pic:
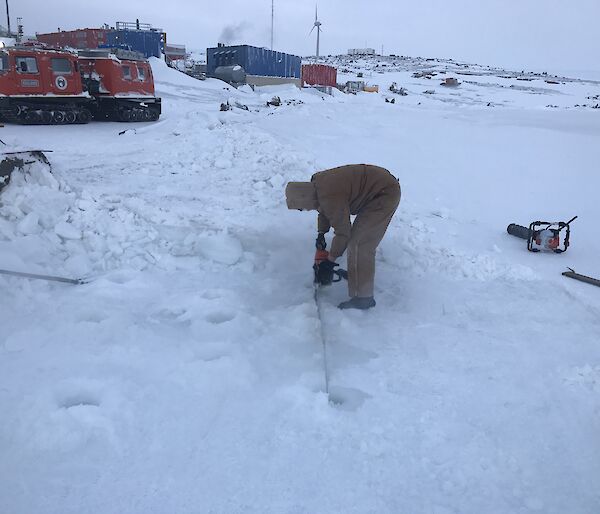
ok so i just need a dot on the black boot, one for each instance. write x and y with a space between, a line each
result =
358 302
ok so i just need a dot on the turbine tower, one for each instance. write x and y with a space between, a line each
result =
317 25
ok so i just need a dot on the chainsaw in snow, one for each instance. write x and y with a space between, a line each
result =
321 255
544 236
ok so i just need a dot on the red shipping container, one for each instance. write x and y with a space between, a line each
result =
82 38
319 75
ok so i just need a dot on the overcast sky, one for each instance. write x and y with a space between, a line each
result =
533 34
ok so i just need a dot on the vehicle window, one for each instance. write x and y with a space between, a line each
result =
3 62
141 74
27 65
126 72
61 65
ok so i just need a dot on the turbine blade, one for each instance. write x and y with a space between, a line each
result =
311 30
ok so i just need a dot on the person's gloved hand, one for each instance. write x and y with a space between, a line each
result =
325 272
320 243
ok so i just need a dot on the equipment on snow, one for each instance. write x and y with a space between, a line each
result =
398 90
323 267
543 235
583 278
324 272
450 82
76 281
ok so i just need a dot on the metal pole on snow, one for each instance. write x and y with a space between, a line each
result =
77 281
583 278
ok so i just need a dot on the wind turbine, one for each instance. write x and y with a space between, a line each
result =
317 24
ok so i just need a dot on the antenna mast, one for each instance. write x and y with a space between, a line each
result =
8 18
272 20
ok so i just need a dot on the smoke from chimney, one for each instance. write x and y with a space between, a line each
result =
233 33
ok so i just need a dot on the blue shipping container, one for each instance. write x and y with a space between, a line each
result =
148 42
254 60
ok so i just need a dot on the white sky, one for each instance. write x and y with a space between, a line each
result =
552 35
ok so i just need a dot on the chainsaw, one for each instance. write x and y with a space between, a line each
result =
544 236
321 255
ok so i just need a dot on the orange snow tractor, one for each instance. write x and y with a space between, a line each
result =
544 235
44 86
41 86
121 84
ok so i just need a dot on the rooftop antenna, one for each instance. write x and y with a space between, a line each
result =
8 18
317 24
272 20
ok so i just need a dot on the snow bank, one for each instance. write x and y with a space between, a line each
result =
164 74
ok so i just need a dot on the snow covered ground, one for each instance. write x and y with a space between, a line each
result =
187 374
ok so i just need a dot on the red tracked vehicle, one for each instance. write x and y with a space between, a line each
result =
121 83
42 86
48 86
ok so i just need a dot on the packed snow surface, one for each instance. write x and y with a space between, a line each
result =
186 375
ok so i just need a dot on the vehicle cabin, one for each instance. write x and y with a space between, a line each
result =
36 72
117 74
